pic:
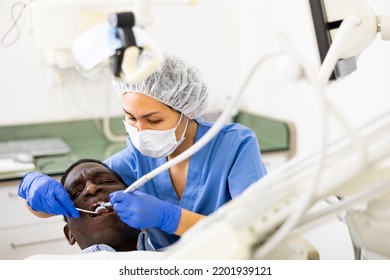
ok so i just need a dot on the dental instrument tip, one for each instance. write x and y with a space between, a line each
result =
85 211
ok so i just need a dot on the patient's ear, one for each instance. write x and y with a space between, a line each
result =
69 235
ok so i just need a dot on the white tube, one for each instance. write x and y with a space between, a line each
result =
306 197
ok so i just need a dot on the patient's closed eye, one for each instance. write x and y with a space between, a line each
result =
105 182
75 192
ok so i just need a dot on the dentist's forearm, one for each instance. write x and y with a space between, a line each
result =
37 213
187 220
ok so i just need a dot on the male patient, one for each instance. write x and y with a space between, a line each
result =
90 182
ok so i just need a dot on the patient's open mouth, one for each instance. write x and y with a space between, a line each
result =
100 210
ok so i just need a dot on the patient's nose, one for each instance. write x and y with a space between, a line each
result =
91 188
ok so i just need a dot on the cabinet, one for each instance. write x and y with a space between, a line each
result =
22 234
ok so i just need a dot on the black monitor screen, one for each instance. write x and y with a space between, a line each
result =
322 30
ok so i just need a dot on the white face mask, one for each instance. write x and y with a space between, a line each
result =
155 143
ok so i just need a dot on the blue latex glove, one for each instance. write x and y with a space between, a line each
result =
44 194
140 210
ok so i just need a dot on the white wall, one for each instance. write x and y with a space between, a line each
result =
224 38
32 92
204 34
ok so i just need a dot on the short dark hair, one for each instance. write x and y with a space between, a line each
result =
80 161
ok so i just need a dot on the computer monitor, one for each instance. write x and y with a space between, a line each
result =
322 28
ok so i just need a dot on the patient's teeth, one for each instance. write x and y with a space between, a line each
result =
101 211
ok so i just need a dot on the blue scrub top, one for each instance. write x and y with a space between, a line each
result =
218 172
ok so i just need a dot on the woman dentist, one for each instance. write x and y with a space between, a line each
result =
163 119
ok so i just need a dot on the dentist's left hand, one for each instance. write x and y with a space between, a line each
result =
140 210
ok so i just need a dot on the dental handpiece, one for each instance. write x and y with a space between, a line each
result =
132 188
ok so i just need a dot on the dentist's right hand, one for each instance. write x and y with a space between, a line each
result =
140 210
44 194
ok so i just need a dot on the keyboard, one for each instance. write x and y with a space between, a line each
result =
36 147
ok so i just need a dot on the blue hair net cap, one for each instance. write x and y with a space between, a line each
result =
176 83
